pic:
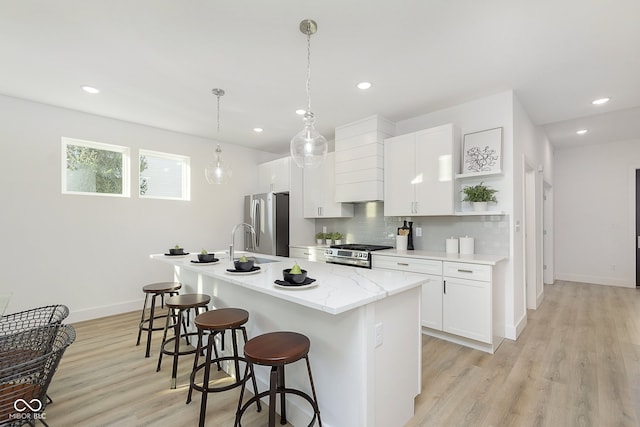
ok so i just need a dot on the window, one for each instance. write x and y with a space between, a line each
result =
164 175
94 168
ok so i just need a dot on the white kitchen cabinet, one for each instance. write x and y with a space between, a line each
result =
319 192
275 176
419 170
461 302
310 253
431 307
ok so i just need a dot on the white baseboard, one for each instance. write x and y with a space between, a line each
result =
103 311
512 332
596 280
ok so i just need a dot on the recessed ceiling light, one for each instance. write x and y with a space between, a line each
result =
90 89
364 85
258 130
300 112
581 131
600 101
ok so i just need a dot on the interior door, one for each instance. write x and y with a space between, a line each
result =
637 227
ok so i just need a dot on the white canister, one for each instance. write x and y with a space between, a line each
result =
401 242
452 246
466 245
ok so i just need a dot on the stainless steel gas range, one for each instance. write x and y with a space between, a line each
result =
354 254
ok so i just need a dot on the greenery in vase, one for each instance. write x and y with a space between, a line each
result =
320 236
337 236
479 193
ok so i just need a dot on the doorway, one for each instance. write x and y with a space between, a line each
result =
530 244
637 227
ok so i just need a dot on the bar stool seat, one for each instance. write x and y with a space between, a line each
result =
217 322
146 324
179 307
277 349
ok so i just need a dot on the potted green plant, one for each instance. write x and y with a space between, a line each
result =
328 238
176 250
479 195
320 238
337 237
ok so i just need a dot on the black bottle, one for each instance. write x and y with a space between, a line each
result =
410 240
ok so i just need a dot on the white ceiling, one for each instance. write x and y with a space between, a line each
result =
156 61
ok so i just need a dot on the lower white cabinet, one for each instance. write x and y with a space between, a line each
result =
311 253
459 302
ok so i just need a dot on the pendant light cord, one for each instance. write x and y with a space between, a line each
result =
218 128
309 70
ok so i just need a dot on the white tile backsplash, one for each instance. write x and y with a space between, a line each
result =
369 225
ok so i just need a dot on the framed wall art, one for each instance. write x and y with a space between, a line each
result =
482 152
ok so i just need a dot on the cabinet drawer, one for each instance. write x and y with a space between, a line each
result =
464 270
414 265
299 253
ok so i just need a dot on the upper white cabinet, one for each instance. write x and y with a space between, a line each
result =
319 192
419 171
359 159
275 176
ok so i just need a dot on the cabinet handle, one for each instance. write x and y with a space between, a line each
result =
403 264
465 271
306 253
444 284
415 207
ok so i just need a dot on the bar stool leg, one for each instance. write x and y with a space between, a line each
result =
153 314
313 391
174 369
253 377
171 314
144 308
195 365
283 405
273 384
205 383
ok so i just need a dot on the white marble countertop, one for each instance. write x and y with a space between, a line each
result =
442 256
339 288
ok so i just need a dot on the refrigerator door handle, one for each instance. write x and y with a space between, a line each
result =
256 223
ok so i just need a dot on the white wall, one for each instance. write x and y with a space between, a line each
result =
88 252
595 213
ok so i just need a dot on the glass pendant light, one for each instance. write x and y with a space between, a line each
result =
308 148
216 172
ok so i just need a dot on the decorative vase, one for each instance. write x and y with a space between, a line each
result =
479 206
337 242
328 241
319 241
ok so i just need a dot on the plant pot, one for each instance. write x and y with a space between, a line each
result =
479 206
319 241
328 242
337 242
176 251
206 257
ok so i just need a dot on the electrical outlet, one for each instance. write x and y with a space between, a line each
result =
418 231
379 334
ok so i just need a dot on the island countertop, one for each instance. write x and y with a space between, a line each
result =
339 288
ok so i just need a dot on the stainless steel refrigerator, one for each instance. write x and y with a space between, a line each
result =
268 213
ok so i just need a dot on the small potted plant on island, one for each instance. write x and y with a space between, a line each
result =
177 250
337 238
205 256
319 238
479 195
328 238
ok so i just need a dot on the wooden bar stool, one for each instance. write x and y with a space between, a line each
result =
179 307
217 322
277 349
146 324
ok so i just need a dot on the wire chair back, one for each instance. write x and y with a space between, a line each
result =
33 318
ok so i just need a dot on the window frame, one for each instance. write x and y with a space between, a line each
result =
126 166
186 173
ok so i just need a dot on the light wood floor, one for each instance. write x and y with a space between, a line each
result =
577 363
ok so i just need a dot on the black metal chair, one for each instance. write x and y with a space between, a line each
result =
28 362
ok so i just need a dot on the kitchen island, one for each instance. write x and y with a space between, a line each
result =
364 327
